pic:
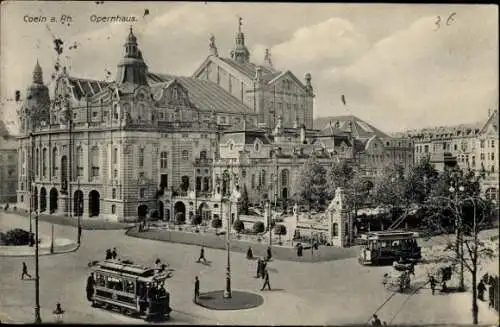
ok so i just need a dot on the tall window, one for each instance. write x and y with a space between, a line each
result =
163 181
37 164
263 177
185 155
203 155
115 156
253 181
481 144
141 157
113 193
206 184
284 177
163 160
94 161
44 162
79 161
54 162
142 192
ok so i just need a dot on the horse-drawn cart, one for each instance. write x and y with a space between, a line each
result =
398 279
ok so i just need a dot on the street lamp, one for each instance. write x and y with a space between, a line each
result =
458 226
38 318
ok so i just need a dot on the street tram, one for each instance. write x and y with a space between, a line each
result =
131 289
385 247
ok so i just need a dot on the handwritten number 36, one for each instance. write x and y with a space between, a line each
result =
449 20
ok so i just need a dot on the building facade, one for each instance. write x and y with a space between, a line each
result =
8 163
176 145
468 146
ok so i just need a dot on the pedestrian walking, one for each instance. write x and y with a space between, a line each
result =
491 295
58 312
300 248
432 281
376 321
108 254
114 254
90 287
259 267
196 289
412 268
202 255
25 271
269 254
480 290
249 253
263 268
266 280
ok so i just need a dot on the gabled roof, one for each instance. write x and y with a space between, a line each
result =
205 95
358 127
493 119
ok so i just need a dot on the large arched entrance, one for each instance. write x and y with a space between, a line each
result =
53 200
43 199
204 211
94 203
179 208
78 203
142 211
161 208
35 199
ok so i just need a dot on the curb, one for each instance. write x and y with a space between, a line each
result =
241 246
56 252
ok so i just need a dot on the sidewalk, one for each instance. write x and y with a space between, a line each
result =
86 223
61 245
325 253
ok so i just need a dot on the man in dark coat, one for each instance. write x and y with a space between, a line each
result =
432 281
299 250
480 290
263 268
108 254
114 254
491 293
266 280
259 267
90 287
196 289
25 271
202 255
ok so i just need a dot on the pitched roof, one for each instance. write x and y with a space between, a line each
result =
85 86
248 68
205 95
359 128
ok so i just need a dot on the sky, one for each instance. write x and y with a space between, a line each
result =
399 66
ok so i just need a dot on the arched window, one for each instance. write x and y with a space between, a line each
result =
54 162
141 157
115 156
203 155
185 155
335 230
163 159
44 162
284 177
94 161
79 161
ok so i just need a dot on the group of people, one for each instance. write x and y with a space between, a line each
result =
492 282
111 254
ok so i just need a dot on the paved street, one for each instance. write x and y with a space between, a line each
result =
336 292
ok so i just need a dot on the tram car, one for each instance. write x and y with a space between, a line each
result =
131 289
385 247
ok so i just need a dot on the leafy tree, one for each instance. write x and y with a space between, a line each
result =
420 181
390 188
238 226
258 227
216 223
280 230
312 185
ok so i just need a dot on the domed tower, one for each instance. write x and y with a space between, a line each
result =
132 68
240 52
35 108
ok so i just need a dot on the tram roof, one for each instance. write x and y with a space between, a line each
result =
389 235
131 269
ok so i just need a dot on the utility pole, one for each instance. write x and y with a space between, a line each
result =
38 318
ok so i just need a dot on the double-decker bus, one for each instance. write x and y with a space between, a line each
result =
131 289
385 247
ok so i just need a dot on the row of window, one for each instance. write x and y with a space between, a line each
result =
491 143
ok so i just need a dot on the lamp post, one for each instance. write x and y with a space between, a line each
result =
458 226
227 291
38 318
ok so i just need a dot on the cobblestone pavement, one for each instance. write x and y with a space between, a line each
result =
336 292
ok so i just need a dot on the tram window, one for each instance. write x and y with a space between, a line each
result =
100 281
129 286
